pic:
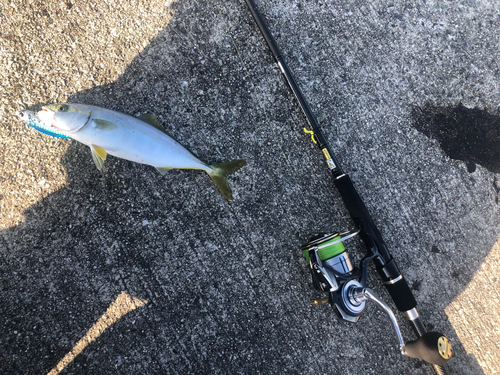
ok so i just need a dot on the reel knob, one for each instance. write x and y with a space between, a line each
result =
432 347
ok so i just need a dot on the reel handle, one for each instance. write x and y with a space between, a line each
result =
432 347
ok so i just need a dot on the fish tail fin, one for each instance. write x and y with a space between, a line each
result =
219 172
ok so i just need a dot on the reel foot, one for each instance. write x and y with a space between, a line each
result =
321 301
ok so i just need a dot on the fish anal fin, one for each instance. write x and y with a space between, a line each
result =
98 155
163 170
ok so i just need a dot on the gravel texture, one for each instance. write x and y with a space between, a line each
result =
223 286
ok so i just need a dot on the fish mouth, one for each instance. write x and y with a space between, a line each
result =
26 115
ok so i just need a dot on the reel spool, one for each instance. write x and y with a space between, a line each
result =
332 252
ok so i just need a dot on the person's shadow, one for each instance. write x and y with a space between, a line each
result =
212 272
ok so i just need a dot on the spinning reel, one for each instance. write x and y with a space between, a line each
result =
333 272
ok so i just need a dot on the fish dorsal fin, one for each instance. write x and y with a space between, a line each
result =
98 155
105 125
163 170
152 120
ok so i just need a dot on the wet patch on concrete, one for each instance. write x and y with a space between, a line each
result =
470 135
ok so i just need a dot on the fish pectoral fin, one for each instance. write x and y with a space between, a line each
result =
104 125
152 120
163 170
98 155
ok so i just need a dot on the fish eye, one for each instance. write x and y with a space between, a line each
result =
62 108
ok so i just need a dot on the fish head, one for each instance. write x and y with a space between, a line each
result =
68 118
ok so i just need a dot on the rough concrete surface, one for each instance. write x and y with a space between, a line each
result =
222 286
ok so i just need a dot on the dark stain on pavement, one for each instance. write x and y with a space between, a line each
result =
470 135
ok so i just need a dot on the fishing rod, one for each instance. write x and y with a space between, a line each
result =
331 268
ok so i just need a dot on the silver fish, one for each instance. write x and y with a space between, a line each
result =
141 140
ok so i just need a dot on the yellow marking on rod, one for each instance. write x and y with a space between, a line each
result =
326 153
312 134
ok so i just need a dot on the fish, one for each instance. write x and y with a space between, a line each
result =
138 139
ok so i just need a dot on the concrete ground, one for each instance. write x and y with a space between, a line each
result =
127 271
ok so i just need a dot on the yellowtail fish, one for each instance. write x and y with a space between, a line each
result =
138 139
